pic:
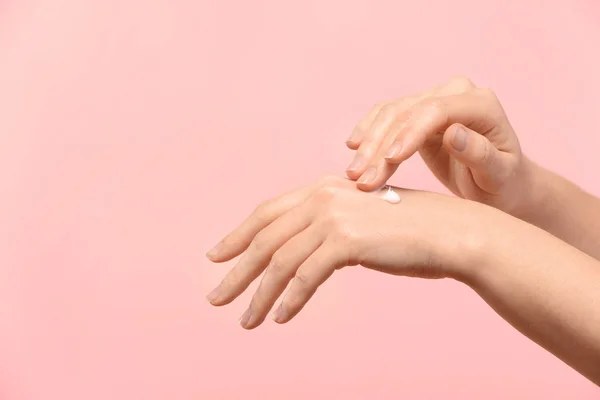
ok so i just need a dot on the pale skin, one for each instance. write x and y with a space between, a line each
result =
538 268
466 139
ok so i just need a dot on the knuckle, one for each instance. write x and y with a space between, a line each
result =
484 157
461 83
436 107
277 264
488 95
342 234
436 103
337 226
262 212
260 243
302 279
388 111
376 109
326 194
333 218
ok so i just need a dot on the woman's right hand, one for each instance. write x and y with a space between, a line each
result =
462 134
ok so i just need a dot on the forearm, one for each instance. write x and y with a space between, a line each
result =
560 207
545 288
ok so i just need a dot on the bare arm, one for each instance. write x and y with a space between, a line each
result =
546 289
563 209
466 139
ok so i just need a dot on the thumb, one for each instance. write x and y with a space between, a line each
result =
490 167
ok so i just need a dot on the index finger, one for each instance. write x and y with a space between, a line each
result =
457 84
478 109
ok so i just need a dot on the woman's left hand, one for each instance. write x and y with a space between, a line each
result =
307 234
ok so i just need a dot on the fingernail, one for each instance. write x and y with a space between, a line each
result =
368 176
357 163
246 317
214 251
278 314
459 141
394 150
214 295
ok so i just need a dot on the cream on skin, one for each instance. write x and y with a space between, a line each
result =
388 194
547 289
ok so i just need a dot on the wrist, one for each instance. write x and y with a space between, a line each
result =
471 244
491 238
535 192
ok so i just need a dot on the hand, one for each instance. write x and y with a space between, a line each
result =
462 134
307 234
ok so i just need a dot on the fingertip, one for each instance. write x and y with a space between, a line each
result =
379 177
220 302
218 258
225 251
394 153
248 320
352 145
214 252
218 298
353 174
367 187
279 316
212 257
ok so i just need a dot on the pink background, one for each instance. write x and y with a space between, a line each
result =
134 134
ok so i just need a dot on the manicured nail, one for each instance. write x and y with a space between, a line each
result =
214 251
278 314
214 295
246 317
394 150
357 163
368 176
459 141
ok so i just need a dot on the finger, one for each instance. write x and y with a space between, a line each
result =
260 251
455 85
489 166
379 171
371 142
361 129
437 160
317 268
281 270
383 170
239 239
478 109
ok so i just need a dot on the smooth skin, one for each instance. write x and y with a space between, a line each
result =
548 290
525 239
465 138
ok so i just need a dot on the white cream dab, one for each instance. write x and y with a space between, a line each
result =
390 195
